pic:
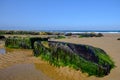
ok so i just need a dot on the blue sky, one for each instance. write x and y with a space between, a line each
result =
60 14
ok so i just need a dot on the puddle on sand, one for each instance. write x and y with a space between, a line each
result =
22 72
2 51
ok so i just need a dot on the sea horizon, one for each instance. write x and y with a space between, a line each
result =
79 31
71 31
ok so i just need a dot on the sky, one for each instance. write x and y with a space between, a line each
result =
59 14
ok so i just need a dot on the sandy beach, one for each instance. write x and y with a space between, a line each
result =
59 39
16 61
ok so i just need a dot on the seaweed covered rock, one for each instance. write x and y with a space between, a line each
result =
86 58
118 39
18 42
25 43
2 37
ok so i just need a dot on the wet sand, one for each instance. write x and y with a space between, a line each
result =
110 44
22 72
18 64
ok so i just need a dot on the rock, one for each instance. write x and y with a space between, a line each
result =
81 57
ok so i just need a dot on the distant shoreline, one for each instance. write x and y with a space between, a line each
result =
71 31
79 31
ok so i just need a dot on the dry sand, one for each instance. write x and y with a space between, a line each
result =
110 44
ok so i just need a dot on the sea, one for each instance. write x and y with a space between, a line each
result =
80 31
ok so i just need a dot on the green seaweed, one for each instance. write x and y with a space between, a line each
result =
25 43
103 57
18 43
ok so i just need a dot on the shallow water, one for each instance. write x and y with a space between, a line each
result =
22 72
2 51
